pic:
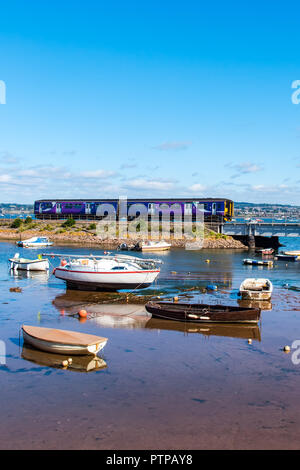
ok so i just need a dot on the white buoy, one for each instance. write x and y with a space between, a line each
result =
249 341
286 349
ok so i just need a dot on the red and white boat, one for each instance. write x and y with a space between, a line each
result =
110 272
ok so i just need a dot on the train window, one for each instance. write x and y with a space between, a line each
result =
68 206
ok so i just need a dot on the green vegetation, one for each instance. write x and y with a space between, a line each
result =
70 222
92 227
17 223
28 220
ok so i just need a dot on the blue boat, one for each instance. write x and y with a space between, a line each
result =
283 257
34 242
257 262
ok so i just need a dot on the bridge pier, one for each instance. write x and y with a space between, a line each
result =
258 241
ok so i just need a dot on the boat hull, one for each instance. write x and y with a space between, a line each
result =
154 248
60 348
194 313
36 265
110 280
253 295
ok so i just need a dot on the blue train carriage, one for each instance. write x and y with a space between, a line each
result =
214 209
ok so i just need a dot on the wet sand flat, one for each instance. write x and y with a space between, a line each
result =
163 386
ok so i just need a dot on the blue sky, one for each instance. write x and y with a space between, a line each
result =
124 98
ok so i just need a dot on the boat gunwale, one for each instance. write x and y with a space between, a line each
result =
100 339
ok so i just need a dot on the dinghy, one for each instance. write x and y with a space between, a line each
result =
38 264
256 289
155 246
256 262
62 341
202 313
285 257
37 242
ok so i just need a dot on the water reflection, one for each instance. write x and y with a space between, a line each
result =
226 330
79 363
129 316
39 276
262 304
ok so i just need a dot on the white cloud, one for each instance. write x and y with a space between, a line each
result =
166 146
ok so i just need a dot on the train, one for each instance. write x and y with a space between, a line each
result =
214 209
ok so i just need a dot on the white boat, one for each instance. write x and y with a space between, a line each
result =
150 245
106 272
39 264
292 253
62 341
256 289
35 242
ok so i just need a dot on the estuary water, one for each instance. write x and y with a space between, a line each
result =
157 384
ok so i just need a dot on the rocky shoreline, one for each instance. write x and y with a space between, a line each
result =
90 238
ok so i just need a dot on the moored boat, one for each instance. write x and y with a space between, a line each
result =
256 262
150 245
265 251
34 242
202 313
256 289
107 272
24 264
292 253
62 341
285 257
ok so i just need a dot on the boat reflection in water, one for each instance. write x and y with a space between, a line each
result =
262 304
39 276
111 315
78 364
226 330
129 316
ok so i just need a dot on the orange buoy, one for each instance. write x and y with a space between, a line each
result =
62 312
63 262
82 313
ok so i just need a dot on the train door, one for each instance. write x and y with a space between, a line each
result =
151 208
58 207
188 208
214 208
88 207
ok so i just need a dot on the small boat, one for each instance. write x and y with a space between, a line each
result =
24 264
256 262
34 242
155 246
292 253
284 257
106 272
202 313
62 341
256 289
265 251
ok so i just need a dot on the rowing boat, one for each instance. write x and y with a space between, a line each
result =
62 341
202 313
256 289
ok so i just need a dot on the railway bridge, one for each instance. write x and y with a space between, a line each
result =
264 234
